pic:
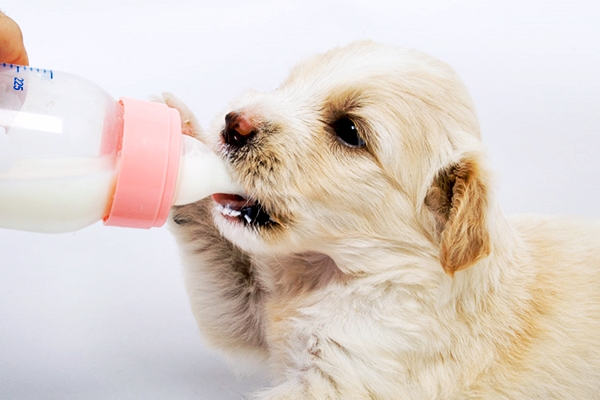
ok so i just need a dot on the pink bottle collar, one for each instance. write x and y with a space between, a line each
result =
149 163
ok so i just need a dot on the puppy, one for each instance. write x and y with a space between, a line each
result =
367 257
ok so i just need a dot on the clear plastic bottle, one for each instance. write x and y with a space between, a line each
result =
70 155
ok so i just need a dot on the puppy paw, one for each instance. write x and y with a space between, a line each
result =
311 386
189 123
282 393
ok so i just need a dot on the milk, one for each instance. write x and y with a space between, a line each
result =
72 193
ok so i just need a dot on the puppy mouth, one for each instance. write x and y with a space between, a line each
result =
238 209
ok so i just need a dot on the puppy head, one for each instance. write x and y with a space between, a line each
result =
363 148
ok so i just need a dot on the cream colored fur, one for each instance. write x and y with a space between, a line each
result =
389 271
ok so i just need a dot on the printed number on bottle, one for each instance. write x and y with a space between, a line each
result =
18 83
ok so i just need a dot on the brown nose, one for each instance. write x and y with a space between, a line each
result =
238 129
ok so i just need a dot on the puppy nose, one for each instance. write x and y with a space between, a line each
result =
238 129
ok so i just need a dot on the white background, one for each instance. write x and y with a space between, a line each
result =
101 313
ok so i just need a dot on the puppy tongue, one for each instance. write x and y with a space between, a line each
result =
231 201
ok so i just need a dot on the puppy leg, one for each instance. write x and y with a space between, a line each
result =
342 376
225 296
310 386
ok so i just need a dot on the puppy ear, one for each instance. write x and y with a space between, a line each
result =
458 200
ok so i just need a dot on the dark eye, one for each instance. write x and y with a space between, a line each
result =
345 129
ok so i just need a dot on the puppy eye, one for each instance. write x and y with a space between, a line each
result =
346 130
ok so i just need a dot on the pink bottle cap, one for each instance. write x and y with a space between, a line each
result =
149 163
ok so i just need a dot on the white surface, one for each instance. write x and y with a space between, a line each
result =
102 314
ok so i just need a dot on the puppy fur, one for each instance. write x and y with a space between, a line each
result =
386 270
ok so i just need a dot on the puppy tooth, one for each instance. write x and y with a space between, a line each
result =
227 211
233 213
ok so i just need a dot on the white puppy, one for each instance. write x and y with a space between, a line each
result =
368 259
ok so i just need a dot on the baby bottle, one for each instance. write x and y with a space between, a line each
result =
70 155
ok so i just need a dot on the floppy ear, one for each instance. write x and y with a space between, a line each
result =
458 200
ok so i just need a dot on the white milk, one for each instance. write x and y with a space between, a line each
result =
56 194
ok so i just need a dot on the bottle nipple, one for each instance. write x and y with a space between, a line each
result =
201 173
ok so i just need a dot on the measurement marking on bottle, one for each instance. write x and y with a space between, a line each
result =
48 72
18 83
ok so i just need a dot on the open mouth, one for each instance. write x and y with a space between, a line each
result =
240 209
